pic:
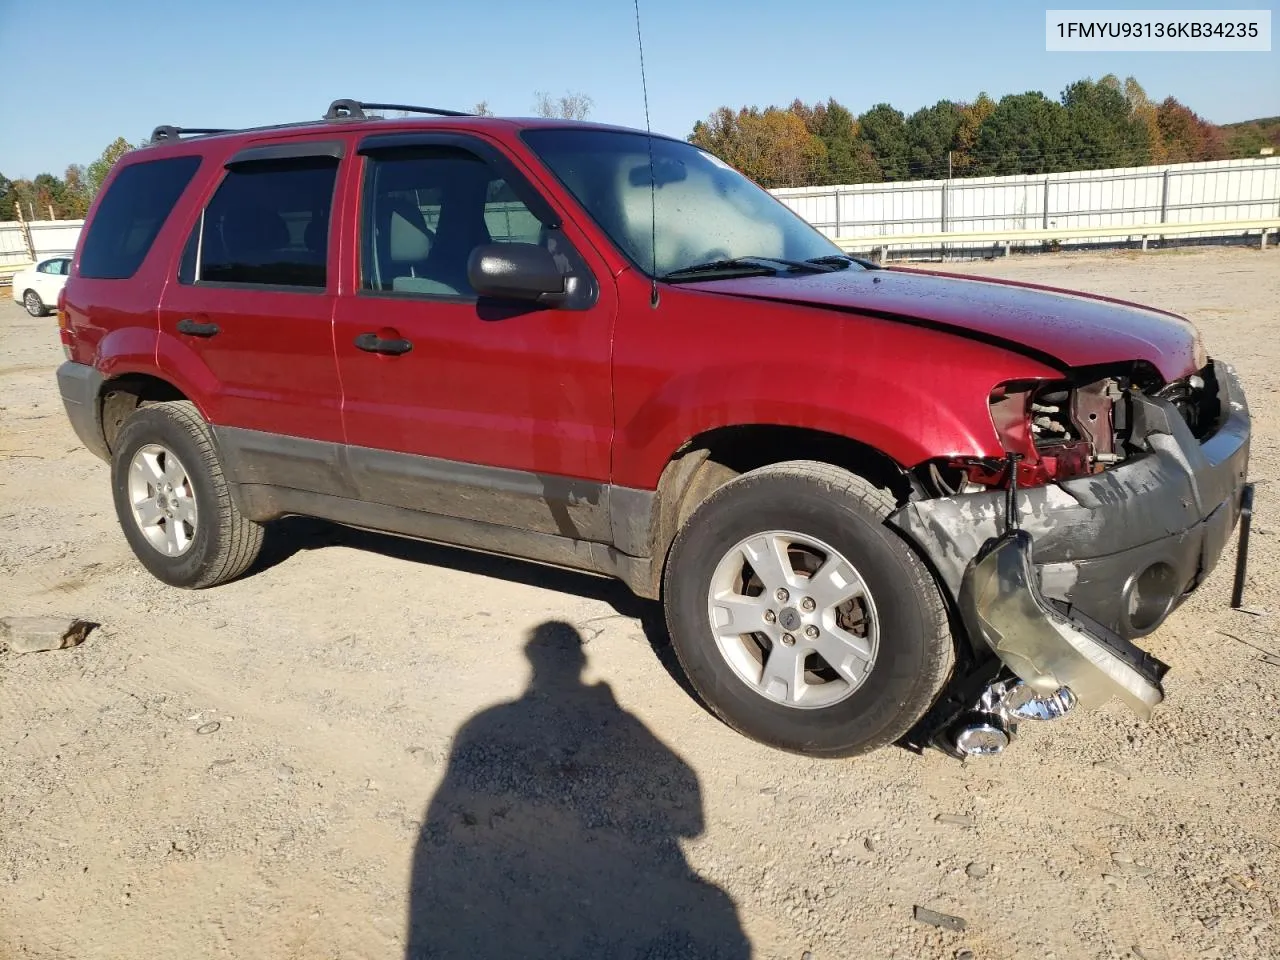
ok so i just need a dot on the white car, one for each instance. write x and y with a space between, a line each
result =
37 287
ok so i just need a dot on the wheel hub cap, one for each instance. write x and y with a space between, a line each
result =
162 500
794 619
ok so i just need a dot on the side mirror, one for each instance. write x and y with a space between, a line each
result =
515 271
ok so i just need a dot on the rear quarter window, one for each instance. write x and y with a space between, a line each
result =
135 207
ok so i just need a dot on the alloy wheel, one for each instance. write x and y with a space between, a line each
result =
162 499
794 619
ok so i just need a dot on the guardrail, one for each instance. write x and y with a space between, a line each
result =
1005 239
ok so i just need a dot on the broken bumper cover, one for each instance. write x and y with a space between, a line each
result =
1046 648
1100 560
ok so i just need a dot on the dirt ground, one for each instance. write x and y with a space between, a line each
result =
258 770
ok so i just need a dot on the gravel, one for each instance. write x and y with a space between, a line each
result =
441 719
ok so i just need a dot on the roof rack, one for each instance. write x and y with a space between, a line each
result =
161 134
355 110
338 110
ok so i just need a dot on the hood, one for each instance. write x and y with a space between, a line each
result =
1068 328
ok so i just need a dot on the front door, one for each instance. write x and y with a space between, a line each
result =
452 403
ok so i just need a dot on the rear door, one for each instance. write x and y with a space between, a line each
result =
496 411
250 316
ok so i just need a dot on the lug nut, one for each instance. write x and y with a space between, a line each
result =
782 595
788 640
770 616
811 632
807 604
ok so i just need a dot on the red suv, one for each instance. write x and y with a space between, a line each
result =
876 504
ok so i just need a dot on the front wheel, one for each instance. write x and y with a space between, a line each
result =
173 502
33 304
802 620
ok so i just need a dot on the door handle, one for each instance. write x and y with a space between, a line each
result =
372 343
195 328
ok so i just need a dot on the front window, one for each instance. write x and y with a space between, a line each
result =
425 210
705 210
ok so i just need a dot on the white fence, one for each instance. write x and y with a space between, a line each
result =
1223 190
47 238
1188 193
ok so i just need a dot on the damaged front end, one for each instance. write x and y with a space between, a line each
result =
1116 500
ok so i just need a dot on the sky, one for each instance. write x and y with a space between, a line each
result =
104 73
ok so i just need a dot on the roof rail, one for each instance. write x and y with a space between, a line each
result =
355 110
161 134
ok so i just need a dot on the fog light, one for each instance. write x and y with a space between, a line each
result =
981 737
1023 703
1149 596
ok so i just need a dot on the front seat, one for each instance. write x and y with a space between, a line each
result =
462 228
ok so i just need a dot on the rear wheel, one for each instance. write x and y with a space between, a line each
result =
800 617
33 304
173 502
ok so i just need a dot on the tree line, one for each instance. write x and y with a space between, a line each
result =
60 198
1093 125
68 197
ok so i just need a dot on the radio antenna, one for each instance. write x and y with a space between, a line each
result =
653 179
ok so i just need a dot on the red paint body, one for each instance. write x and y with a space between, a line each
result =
609 394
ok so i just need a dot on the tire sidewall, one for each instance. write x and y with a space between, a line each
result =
155 425
898 689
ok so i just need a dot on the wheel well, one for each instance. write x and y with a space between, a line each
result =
711 459
744 448
121 396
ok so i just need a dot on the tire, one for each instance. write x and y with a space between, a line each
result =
33 304
905 650
204 540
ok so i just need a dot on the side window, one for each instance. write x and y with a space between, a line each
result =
130 215
507 218
62 267
46 267
426 210
267 224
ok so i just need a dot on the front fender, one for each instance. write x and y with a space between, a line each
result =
936 407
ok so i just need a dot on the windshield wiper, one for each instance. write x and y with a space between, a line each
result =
842 260
747 263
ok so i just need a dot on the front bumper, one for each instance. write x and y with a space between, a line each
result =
1107 557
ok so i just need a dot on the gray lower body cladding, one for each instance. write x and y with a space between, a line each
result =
80 385
1121 547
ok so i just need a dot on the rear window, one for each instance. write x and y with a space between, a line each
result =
134 209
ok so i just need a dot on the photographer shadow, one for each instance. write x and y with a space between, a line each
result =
555 833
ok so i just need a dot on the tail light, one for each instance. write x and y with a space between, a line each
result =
64 323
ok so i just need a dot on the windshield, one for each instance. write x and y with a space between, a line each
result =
706 212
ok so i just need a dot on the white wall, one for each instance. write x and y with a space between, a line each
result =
49 237
1176 193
